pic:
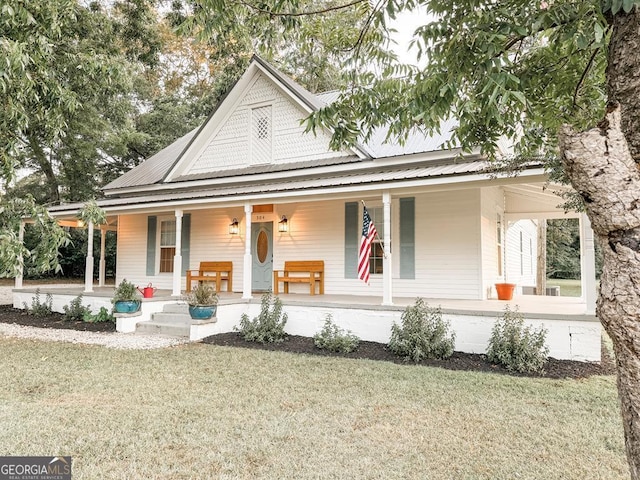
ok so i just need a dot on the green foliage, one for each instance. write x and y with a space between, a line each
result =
75 311
102 316
517 347
42 257
202 294
334 338
423 334
91 212
268 327
125 292
38 308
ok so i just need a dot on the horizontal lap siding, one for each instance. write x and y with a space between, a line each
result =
447 249
132 253
316 232
211 241
492 204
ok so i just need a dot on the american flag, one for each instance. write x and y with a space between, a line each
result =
368 234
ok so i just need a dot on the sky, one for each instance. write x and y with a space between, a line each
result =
406 24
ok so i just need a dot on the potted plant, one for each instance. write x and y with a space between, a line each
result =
203 301
126 298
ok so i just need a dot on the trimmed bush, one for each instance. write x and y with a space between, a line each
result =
75 311
515 346
268 327
423 334
334 338
38 308
102 316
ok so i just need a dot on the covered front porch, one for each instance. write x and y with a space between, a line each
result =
574 333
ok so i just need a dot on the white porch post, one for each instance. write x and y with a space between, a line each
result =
387 278
20 274
102 264
177 257
88 273
248 264
588 264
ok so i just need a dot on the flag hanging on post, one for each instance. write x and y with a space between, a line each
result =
368 234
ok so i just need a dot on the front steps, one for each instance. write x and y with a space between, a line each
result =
175 321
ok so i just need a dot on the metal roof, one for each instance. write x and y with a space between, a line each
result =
307 185
154 168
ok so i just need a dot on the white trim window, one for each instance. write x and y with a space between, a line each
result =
376 259
167 244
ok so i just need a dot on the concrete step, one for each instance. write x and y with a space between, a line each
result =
176 308
171 317
177 329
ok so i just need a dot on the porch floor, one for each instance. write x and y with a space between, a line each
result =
540 306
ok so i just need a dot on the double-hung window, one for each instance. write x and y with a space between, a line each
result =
167 245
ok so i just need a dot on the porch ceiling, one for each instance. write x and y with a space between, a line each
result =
535 200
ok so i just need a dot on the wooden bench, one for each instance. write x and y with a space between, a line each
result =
294 272
212 272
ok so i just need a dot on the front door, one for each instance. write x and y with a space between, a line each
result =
262 255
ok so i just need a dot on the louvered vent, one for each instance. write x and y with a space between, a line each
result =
261 134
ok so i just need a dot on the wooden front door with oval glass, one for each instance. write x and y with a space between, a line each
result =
262 255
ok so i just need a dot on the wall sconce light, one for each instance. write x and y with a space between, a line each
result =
283 224
233 227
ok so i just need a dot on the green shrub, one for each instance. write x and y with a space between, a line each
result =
517 347
40 309
75 311
268 327
423 334
102 316
334 338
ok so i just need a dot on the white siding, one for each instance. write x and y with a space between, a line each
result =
521 263
447 236
230 146
132 253
492 206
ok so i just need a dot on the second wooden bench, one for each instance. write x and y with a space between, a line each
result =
302 271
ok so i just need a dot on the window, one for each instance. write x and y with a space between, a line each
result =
167 245
261 134
377 250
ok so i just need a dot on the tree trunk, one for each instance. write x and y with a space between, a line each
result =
541 264
602 171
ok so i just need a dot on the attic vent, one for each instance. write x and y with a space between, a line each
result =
261 134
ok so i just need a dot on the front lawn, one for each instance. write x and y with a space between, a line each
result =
204 411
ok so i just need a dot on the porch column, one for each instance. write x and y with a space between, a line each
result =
102 264
20 273
588 264
387 279
248 264
88 273
177 257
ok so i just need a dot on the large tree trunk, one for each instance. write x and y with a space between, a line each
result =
602 170
602 165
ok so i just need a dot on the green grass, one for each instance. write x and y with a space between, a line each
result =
568 287
202 411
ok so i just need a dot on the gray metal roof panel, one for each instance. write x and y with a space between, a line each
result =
154 168
308 183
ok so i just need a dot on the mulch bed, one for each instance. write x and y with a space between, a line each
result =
304 345
8 314
458 361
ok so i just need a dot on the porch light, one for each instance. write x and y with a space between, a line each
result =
233 227
283 225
